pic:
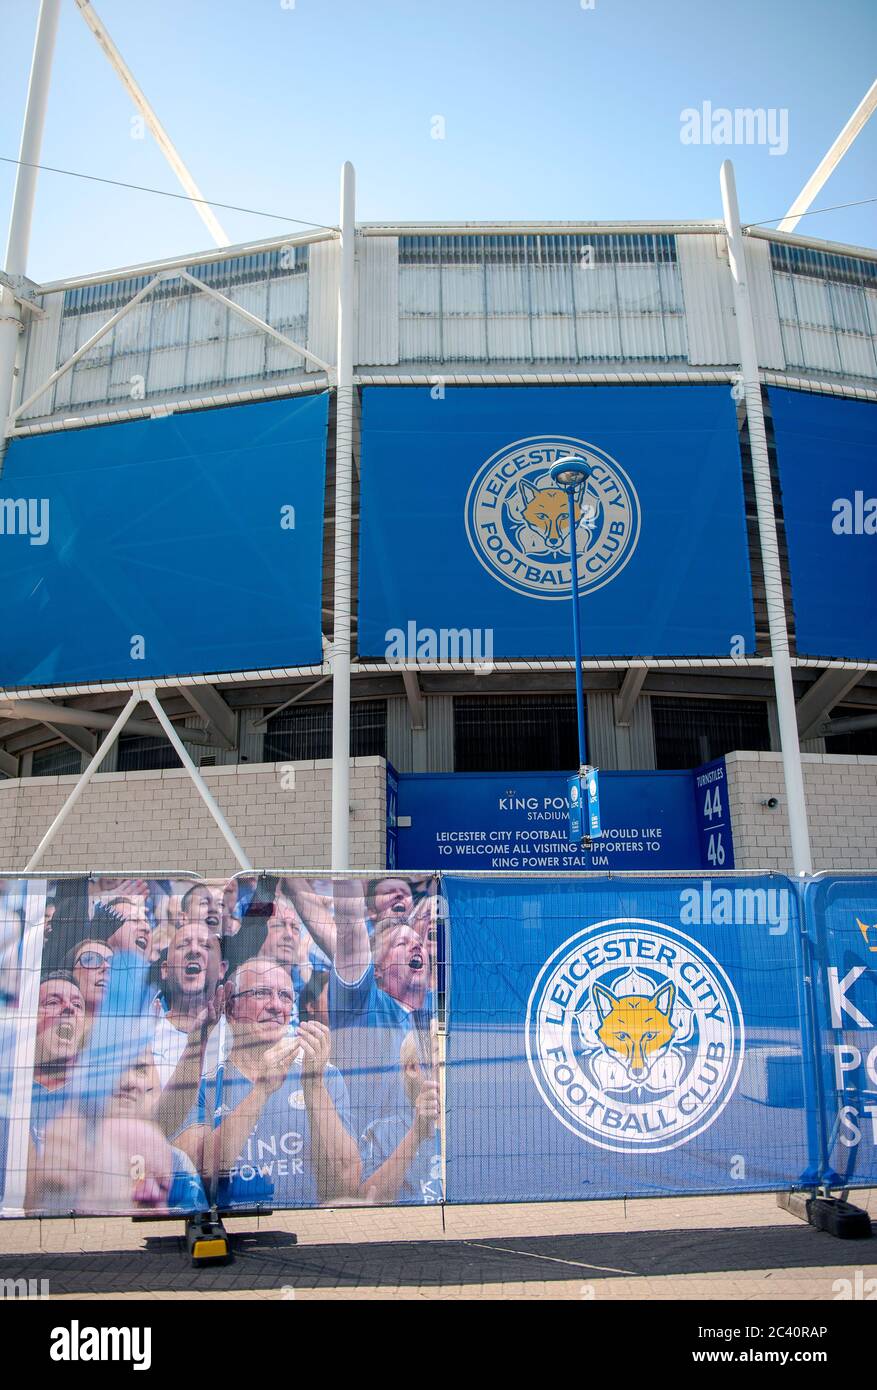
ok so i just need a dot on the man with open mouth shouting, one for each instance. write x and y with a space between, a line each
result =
380 992
191 973
60 1035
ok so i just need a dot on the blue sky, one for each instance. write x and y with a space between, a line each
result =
550 110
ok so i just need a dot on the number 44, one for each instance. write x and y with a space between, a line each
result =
712 806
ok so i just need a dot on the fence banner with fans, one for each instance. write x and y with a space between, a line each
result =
167 1045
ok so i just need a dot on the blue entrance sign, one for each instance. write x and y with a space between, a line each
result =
714 815
520 820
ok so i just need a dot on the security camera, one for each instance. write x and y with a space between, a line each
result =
771 802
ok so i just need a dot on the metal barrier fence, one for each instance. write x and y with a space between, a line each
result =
172 1044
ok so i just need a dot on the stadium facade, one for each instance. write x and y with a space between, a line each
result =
472 343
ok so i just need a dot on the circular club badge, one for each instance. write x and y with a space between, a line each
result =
517 520
635 1036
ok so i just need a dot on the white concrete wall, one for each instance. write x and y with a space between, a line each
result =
280 813
841 792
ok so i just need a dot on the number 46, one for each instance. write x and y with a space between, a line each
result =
716 851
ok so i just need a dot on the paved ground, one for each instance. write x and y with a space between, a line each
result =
740 1247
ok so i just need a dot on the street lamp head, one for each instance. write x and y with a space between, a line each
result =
569 473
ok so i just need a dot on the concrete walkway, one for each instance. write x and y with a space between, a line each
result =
739 1247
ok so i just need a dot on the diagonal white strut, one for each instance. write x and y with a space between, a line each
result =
826 167
140 692
162 139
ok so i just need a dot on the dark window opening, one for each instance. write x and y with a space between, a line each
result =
303 732
59 761
691 732
145 754
515 733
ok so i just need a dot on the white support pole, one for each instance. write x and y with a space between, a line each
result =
340 645
147 693
773 581
23 199
83 782
827 165
162 139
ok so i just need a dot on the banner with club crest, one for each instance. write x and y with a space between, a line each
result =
464 540
624 1037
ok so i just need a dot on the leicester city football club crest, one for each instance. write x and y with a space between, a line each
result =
634 1036
517 519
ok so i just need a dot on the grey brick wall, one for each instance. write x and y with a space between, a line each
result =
841 793
280 813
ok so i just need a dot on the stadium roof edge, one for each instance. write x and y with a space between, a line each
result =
399 229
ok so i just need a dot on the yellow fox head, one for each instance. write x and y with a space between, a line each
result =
546 510
635 1028
864 928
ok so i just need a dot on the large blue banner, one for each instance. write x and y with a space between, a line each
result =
842 921
520 821
464 549
164 547
827 457
624 1037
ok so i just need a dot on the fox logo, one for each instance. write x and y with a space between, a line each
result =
546 511
635 1028
518 521
865 929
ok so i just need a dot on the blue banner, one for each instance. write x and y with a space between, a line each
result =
520 821
713 813
464 549
842 920
165 547
825 451
630 1037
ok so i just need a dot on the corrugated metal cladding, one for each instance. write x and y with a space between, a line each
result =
540 298
377 301
176 340
827 309
41 353
427 750
323 301
612 746
709 300
515 298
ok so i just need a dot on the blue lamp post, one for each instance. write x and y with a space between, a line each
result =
570 475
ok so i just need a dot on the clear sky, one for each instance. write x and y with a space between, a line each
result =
550 110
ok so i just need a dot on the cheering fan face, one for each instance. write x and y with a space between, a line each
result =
391 897
60 1022
402 962
193 967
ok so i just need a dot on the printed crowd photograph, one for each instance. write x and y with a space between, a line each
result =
438 670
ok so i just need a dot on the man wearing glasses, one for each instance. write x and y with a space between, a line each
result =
280 1129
